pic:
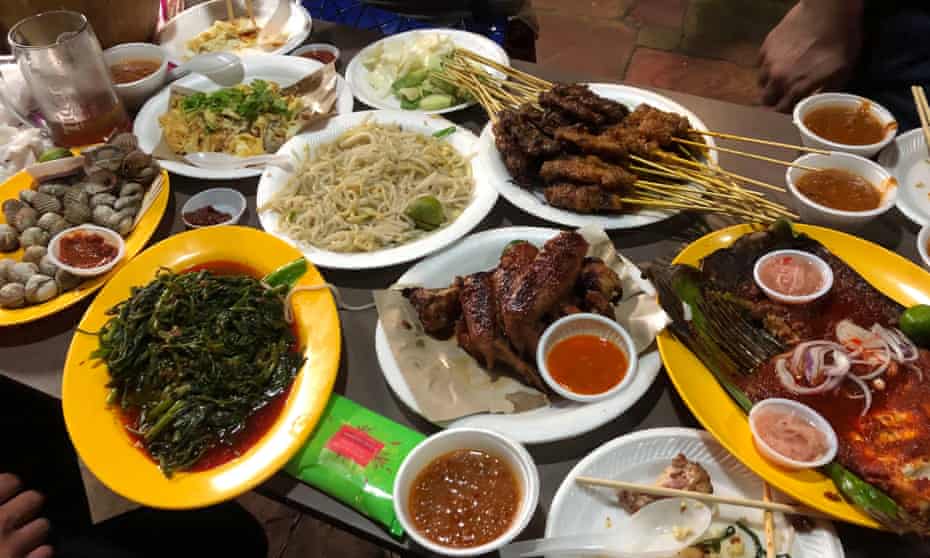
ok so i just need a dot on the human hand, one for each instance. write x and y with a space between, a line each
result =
814 47
21 534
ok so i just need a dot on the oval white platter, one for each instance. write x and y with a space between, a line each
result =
640 457
357 74
483 197
560 419
283 70
533 202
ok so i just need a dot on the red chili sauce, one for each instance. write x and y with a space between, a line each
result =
206 216
323 56
86 250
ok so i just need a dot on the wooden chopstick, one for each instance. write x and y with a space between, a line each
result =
761 141
744 154
248 8
769 522
230 14
923 111
702 497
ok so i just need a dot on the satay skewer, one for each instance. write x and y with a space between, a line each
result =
760 141
744 154
769 522
230 13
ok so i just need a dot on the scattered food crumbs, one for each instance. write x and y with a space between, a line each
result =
681 533
683 506
609 523
832 496
919 185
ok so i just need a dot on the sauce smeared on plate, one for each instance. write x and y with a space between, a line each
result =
839 189
847 125
587 364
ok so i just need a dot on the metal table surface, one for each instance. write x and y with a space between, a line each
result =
33 354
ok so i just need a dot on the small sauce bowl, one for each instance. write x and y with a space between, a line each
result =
586 324
820 100
304 51
824 269
226 200
135 93
817 214
805 413
510 452
111 237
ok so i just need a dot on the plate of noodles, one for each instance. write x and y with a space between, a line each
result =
267 78
374 189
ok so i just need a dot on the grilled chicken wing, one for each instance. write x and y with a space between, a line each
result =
548 279
597 276
438 309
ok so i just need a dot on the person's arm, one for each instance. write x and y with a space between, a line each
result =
21 533
815 46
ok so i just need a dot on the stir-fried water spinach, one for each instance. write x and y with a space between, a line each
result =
195 354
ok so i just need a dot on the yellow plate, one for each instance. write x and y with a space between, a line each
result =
95 429
893 275
134 243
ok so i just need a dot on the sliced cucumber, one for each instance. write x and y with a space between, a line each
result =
412 79
436 101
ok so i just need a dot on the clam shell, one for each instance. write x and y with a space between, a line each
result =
124 227
34 236
92 188
128 201
34 254
56 189
66 281
53 223
40 288
10 207
12 295
6 265
77 214
26 217
44 203
75 195
21 272
131 189
102 215
126 141
9 238
102 199
146 175
47 266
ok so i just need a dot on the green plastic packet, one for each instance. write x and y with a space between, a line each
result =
353 455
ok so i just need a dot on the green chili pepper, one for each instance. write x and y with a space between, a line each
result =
445 132
288 274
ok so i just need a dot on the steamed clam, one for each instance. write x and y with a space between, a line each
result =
34 236
103 215
21 272
56 189
104 198
10 207
25 218
66 281
47 266
9 238
52 223
12 295
6 265
41 202
40 288
34 254
77 214
127 202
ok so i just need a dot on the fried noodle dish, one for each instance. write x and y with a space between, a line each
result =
229 36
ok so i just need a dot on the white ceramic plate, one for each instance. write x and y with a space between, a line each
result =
908 160
558 421
483 198
640 457
284 70
357 74
196 19
533 202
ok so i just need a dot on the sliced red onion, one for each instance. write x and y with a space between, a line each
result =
866 391
908 348
787 380
850 334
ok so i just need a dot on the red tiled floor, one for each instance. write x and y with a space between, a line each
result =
663 13
600 9
718 79
586 47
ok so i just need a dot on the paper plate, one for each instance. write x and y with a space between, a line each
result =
96 431
483 197
641 457
136 240
532 200
283 70
196 19
908 160
891 274
561 419
357 74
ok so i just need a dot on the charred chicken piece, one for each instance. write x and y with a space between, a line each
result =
514 260
521 166
588 170
572 106
583 199
438 309
547 280
478 331
520 125
603 145
596 276
682 474
613 111
657 125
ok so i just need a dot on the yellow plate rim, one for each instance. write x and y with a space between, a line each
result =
95 430
135 242
895 276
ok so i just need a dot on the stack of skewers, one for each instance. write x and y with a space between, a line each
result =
589 154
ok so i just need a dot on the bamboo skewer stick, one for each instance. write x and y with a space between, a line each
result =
744 154
769 522
702 497
923 111
230 13
721 170
248 9
506 70
760 141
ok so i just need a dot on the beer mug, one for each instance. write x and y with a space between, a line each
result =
62 64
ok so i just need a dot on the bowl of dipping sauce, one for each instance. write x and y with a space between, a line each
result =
792 434
216 206
586 357
321 52
466 491
846 123
793 276
843 191
86 250
138 71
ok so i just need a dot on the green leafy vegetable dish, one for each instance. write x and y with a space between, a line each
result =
200 361
406 69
